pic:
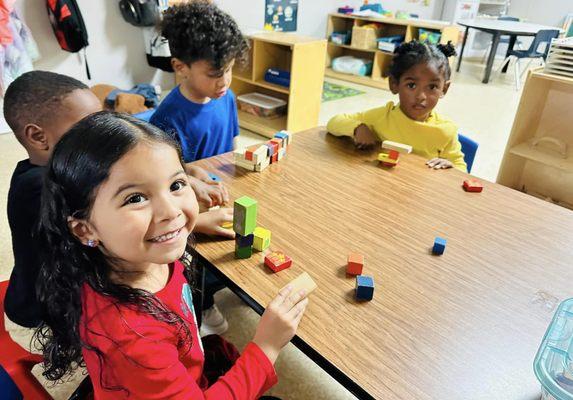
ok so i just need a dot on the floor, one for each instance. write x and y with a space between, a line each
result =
483 112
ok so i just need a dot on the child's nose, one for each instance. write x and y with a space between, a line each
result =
165 209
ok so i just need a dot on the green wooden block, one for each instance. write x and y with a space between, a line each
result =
262 239
243 252
245 216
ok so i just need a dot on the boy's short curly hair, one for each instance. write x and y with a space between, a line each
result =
199 30
409 54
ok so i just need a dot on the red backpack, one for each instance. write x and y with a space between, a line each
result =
68 25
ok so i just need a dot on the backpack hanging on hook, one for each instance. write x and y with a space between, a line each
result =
140 12
69 28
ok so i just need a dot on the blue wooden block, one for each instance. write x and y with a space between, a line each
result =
244 241
439 246
214 177
364 287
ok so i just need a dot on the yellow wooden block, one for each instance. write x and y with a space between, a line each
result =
303 281
386 158
227 225
262 239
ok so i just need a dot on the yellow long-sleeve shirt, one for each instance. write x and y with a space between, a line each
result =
435 137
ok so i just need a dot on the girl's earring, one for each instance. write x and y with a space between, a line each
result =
91 243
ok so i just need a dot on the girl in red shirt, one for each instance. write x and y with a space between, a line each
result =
117 210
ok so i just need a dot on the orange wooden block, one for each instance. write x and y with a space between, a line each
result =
393 154
355 264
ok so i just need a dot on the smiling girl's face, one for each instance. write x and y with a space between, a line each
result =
144 212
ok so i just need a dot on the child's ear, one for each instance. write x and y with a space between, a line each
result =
83 231
393 85
446 87
36 137
179 67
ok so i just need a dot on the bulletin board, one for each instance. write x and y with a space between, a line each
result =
281 15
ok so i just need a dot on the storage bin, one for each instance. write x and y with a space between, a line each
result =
340 37
389 43
364 37
261 105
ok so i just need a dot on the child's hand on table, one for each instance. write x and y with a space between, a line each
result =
280 321
364 138
439 163
209 194
209 223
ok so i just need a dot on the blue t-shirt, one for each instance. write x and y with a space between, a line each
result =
203 130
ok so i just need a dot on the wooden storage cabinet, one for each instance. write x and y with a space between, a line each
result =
304 58
538 159
381 60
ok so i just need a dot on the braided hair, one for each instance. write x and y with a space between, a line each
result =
413 53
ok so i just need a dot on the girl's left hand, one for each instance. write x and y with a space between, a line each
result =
209 223
439 163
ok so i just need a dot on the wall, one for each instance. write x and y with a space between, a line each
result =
312 13
546 12
116 54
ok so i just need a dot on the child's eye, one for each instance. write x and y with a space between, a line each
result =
411 85
433 87
134 199
178 185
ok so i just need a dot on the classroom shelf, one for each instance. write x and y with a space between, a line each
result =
381 60
304 58
543 117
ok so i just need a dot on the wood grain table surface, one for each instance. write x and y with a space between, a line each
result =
465 325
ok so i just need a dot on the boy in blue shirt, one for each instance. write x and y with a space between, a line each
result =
201 112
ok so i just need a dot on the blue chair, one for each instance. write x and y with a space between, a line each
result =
469 148
543 37
146 115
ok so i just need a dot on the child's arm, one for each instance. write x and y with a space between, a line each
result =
209 194
360 126
210 222
451 156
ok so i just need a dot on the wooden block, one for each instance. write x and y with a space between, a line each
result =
243 252
260 154
274 146
262 239
472 185
303 281
263 164
384 157
279 143
227 225
439 246
355 264
246 164
239 155
245 216
393 154
244 241
275 158
364 287
399 147
277 261
282 154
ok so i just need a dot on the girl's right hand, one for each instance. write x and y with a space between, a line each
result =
280 321
364 138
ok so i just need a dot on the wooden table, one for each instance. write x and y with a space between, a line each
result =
465 325
498 28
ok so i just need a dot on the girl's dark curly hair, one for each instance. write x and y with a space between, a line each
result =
412 53
80 163
199 30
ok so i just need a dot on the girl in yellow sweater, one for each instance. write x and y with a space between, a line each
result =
420 75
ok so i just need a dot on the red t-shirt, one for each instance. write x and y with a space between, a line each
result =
142 355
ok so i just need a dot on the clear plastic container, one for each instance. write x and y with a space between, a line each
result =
553 363
261 105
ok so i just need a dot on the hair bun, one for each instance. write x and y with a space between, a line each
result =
448 49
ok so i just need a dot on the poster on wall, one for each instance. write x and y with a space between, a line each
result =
281 15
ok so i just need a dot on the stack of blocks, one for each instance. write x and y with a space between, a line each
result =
364 284
390 158
244 224
260 156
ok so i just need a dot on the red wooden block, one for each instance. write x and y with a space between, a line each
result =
250 150
473 185
355 264
279 142
387 164
393 154
275 146
275 158
277 261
